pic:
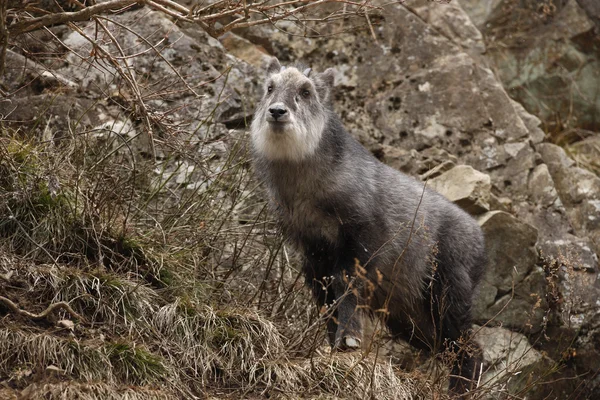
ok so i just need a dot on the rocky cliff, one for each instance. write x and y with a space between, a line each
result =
135 126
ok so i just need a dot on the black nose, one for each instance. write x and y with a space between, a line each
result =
277 111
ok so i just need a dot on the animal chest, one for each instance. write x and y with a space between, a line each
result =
302 216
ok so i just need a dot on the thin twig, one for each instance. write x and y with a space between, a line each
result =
153 47
371 26
60 305
165 10
3 36
64 17
271 12
126 73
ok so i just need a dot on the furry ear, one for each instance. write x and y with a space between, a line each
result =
328 77
324 82
273 66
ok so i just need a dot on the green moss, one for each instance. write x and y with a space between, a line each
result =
129 246
166 277
109 281
18 161
187 307
135 364
223 335
21 152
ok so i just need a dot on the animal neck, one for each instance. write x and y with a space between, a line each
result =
293 179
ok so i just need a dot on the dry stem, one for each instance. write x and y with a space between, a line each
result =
271 13
60 305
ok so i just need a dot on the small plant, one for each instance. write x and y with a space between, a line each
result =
135 364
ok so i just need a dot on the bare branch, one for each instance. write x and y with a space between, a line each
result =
156 6
51 308
64 17
3 36
274 18
242 13
152 47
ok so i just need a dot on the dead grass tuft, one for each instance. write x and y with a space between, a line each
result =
88 361
99 296
222 345
92 391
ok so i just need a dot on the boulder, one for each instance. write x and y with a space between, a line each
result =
586 153
513 288
536 134
179 77
244 49
510 361
541 186
465 186
454 23
578 189
545 55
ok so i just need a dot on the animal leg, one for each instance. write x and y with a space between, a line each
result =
465 368
456 327
349 317
324 297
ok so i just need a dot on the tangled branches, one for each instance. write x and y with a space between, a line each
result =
216 18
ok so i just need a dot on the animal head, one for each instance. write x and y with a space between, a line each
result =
289 121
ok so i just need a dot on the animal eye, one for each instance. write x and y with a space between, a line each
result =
269 89
305 93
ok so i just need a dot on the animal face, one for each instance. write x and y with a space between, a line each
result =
290 119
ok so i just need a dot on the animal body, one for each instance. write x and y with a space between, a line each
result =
371 237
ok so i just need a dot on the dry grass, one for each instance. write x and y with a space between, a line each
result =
92 391
127 338
85 360
189 349
223 345
349 375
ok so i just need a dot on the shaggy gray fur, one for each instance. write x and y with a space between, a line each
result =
372 237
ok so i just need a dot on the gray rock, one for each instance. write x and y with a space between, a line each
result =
510 361
480 11
541 186
586 153
522 308
50 114
578 189
465 186
454 23
578 252
244 49
520 161
119 135
536 134
592 9
513 288
544 57
182 76
24 75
